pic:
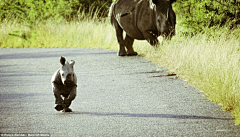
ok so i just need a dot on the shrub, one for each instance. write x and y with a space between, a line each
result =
196 15
32 11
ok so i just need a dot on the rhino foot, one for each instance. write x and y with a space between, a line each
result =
132 54
67 110
59 107
122 54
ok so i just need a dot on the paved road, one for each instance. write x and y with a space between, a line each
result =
117 96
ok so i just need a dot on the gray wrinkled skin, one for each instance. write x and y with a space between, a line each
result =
142 20
64 84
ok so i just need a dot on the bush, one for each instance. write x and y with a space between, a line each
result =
31 11
195 15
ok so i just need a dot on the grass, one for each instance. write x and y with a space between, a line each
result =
210 64
209 61
85 34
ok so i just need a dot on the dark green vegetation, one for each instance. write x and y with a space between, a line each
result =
34 11
197 15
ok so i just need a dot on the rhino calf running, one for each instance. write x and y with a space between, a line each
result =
142 20
64 84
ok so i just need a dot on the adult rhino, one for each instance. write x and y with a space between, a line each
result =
142 20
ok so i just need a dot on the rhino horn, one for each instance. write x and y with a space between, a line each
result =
62 60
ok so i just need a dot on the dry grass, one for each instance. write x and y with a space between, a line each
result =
87 33
211 64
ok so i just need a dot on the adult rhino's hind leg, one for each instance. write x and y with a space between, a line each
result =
129 45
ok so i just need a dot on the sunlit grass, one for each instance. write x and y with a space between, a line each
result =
211 64
209 61
87 33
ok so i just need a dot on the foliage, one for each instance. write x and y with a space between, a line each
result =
32 11
196 15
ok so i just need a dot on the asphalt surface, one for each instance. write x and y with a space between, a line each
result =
117 96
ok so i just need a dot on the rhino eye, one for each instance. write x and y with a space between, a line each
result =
62 74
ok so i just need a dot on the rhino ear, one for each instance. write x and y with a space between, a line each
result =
155 1
72 62
62 60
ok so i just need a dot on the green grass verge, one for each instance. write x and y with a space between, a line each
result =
209 61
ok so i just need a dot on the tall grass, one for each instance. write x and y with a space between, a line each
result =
86 33
85 30
209 61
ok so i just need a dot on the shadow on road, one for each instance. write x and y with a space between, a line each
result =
150 115
49 54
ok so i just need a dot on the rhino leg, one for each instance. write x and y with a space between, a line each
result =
59 107
152 39
122 50
119 34
68 102
68 99
129 45
67 110
58 98
58 101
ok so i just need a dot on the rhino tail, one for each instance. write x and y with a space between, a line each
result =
111 14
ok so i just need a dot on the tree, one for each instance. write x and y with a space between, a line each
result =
199 14
39 10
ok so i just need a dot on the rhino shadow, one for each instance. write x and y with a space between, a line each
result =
171 116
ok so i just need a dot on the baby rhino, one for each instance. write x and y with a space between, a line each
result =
64 84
